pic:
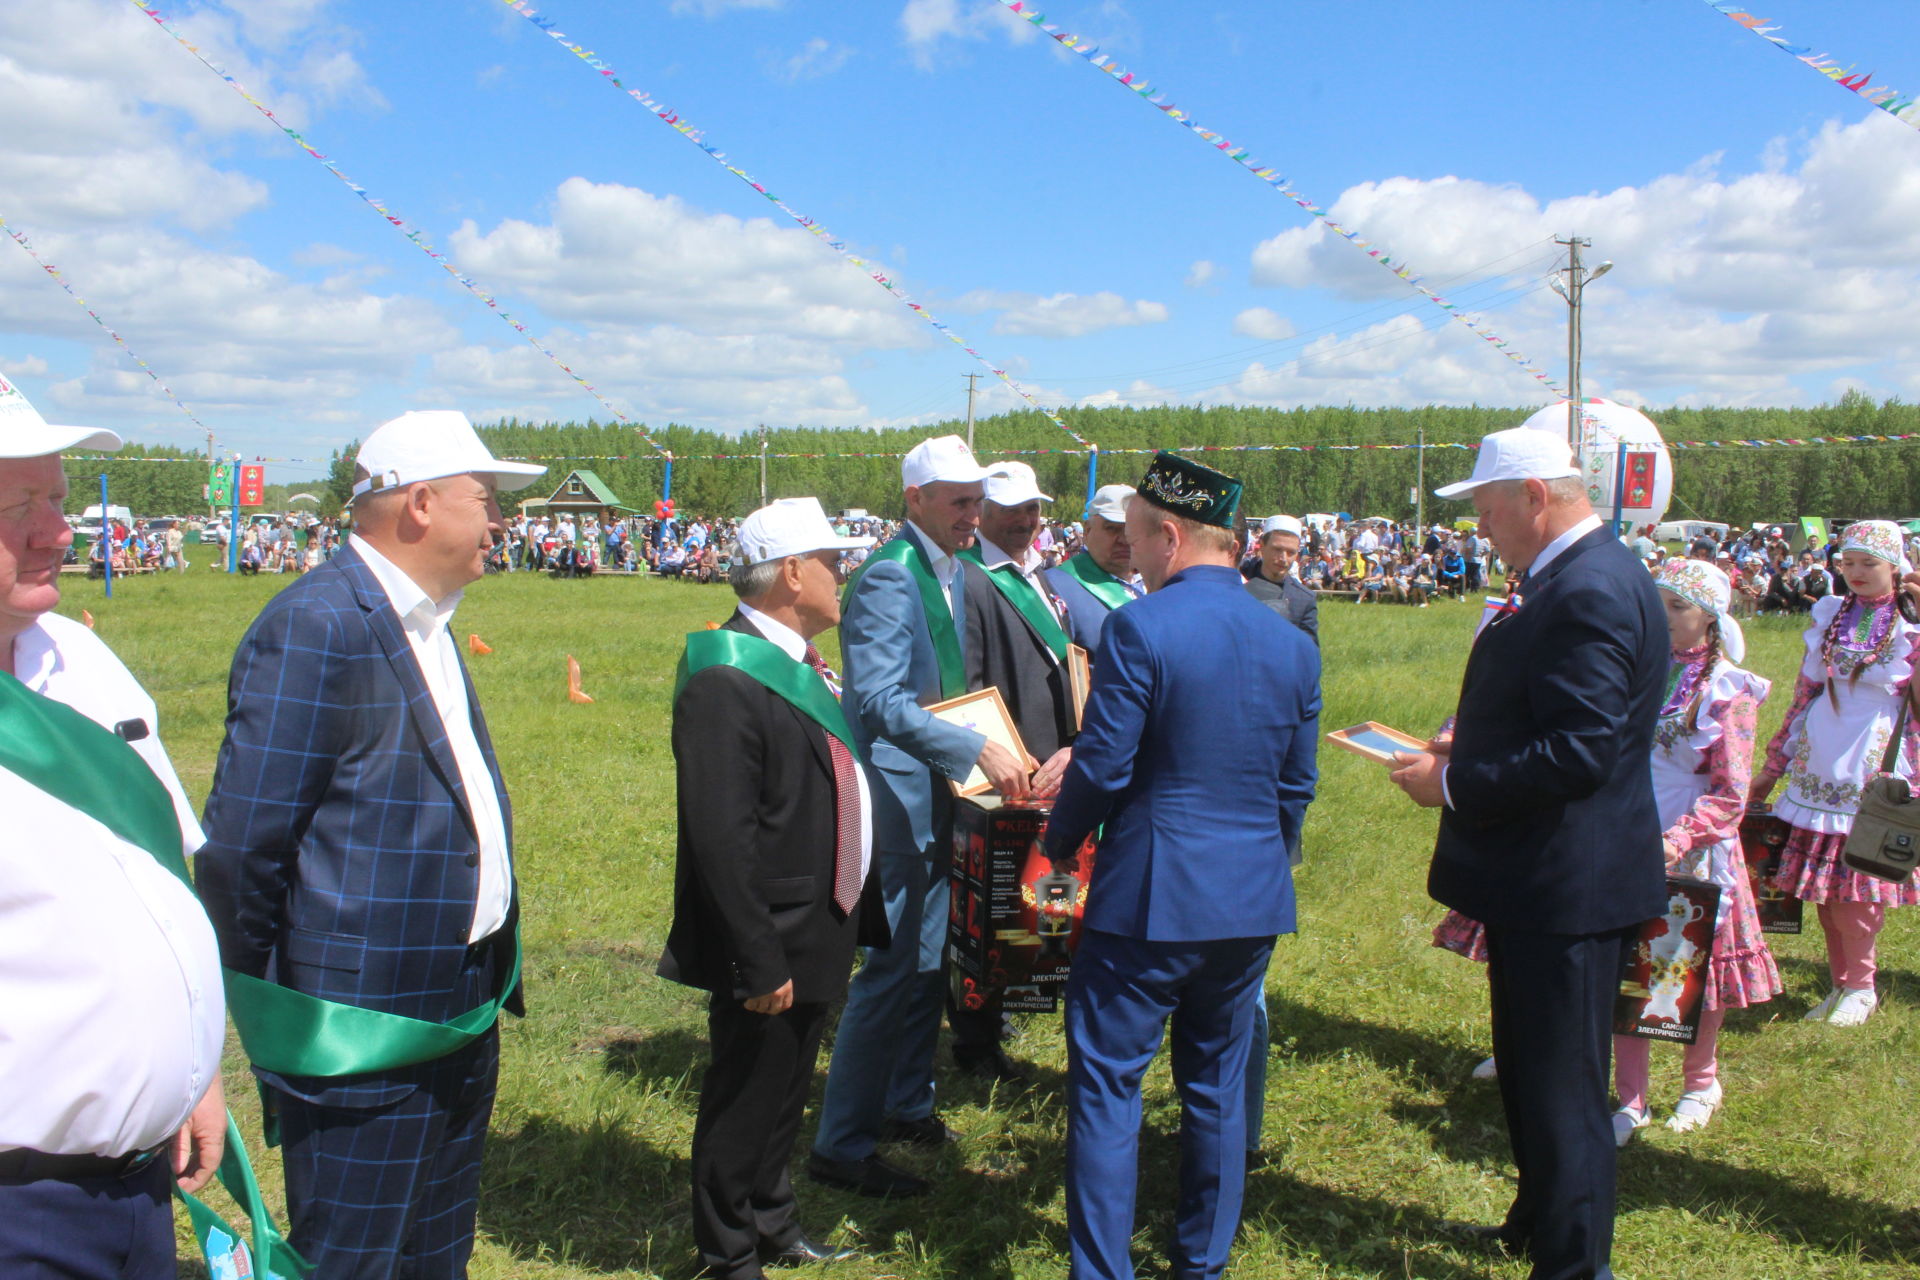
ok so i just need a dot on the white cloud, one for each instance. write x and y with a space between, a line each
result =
817 59
1263 323
1063 315
926 23
1201 274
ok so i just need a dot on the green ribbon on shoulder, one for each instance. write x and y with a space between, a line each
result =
906 550
82 765
1103 586
795 682
1027 598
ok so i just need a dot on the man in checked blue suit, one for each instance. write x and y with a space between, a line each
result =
900 638
1197 752
359 852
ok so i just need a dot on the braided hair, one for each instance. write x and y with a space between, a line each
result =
1830 645
1706 676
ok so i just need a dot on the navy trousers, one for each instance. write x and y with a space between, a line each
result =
1121 995
1553 998
94 1229
750 1108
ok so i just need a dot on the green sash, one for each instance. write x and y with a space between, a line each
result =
1100 584
1027 598
796 682
905 550
77 762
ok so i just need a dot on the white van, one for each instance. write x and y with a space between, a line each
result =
1688 530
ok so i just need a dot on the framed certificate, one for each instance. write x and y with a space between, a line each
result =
983 712
1375 741
1079 681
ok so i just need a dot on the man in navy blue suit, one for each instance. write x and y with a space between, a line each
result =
1549 833
1197 753
359 854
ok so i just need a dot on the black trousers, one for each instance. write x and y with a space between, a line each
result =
750 1109
1553 998
93 1229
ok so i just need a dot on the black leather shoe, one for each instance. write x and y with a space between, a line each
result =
870 1177
1489 1239
802 1251
928 1131
989 1064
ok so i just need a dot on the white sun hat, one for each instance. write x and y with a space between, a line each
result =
431 444
943 458
1011 484
25 434
1518 453
791 527
1281 524
1110 502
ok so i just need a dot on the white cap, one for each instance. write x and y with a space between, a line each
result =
25 434
429 444
791 527
943 458
1012 484
1518 453
1280 524
1110 502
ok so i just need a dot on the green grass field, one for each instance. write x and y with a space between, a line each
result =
1374 1132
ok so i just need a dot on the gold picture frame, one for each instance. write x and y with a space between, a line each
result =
1079 681
983 711
1375 741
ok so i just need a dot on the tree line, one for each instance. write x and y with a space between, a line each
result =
1735 484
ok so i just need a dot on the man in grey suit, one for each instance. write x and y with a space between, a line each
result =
900 642
1272 582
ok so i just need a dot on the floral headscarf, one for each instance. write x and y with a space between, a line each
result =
1707 587
1880 539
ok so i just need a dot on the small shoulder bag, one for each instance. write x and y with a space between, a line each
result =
1885 839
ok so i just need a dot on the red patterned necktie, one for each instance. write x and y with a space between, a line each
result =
846 806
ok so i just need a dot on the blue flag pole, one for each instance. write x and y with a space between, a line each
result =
1093 477
106 536
233 539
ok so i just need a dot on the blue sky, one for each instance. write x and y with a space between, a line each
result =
1765 224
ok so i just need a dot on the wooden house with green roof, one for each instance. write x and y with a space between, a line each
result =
582 494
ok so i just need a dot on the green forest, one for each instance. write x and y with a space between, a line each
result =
1735 484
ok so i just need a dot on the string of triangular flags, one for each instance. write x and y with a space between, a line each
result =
1900 106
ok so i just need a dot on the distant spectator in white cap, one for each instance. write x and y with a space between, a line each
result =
770 793
109 974
1270 576
360 853
900 638
1099 578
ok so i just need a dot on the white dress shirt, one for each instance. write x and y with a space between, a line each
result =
427 624
941 562
794 645
112 1017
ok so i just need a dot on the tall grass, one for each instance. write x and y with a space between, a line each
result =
1374 1132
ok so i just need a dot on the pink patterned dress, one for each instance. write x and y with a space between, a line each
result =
1700 781
1830 745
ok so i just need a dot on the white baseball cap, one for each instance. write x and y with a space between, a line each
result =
1010 484
943 458
1281 524
25 434
1110 502
429 444
791 527
1518 453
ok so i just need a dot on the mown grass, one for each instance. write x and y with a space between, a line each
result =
1374 1132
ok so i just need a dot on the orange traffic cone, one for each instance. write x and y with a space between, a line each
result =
476 645
574 692
86 616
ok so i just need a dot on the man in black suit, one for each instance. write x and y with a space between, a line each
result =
772 888
1548 830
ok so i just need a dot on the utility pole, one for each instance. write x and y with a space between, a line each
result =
1420 479
1578 278
212 462
972 378
763 464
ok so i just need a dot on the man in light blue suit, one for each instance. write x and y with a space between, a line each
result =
900 632
1197 753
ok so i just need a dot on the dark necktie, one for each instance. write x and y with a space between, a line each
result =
846 808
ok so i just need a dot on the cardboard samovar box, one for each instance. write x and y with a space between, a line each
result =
1004 896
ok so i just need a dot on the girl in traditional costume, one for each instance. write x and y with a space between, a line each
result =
1854 693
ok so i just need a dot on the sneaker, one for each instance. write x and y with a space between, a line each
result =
1487 1070
1820 1012
1627 1122
1695 1108
1854 1008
